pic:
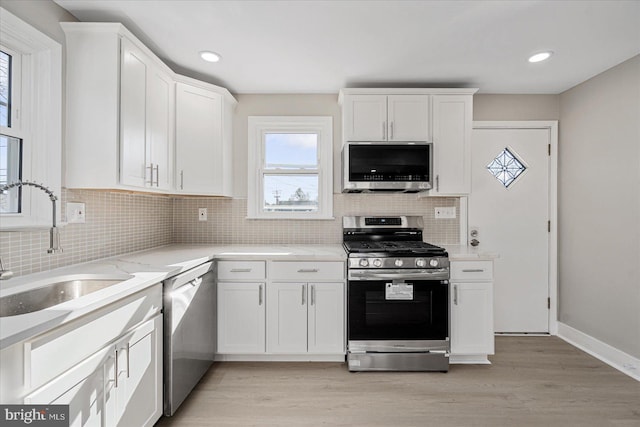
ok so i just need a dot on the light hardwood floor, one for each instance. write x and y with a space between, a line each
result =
533 381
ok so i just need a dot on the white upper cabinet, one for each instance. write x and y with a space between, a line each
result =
121 118
452 124
441 116
386 118
203 139
408 118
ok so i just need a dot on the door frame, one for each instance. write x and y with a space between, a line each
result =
552 127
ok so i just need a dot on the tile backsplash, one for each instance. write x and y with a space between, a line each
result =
227 221
119 222
116 223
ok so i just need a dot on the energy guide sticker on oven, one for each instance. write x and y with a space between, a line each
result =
399 291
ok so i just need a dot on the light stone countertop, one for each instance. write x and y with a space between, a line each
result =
144 269
469 253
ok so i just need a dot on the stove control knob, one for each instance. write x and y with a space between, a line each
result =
377 262
398 263
433 263
364 262
421 263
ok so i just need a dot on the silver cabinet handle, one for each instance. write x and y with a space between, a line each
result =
240 270
304 291
455 294
308 270
260 295
313 294
157 176
438 183
384 130
473 270
115 367
391 131
150 182
182 179
128 347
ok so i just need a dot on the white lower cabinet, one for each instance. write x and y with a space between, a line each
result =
472 337
305 318
241 317
119 385
281 310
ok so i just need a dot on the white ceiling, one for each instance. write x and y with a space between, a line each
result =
322 46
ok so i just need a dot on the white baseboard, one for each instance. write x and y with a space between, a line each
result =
469 359
613 357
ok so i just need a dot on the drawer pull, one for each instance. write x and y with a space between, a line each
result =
473 270
240 270
308 270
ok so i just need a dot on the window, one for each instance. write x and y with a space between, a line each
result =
10 140
506 167
30 122
290 167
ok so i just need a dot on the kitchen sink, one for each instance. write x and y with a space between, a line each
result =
59 290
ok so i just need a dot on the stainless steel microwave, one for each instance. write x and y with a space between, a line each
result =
383 166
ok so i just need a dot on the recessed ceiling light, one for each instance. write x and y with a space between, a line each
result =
541 56
209 56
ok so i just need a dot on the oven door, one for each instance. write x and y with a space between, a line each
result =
398 315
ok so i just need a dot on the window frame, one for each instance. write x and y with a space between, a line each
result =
37 119
258 126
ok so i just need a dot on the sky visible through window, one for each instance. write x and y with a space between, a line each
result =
5 78
291 152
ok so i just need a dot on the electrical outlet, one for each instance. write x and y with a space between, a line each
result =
446 212
75 213
202 214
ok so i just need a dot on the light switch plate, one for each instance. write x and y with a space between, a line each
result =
445 212
202 214
75 213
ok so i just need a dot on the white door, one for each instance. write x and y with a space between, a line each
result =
326 318
511 217
241 318
287 318
408 117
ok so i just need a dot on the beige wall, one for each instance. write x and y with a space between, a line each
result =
516 107
280 105
43 15
599 207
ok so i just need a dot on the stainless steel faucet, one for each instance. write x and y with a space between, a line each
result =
54 236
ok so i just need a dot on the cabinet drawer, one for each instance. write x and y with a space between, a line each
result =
50 354
472 270
307 271
241 270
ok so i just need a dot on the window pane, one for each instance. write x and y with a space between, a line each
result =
291 193
10 161
291 150
5 89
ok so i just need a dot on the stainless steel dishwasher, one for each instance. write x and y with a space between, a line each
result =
189 332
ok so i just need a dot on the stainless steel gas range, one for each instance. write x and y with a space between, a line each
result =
397 296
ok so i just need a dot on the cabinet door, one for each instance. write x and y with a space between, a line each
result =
133 98
287 318
365 118
326 318
159 129
452 123
199 151
472 318
408 117
139 391
82 388
241 318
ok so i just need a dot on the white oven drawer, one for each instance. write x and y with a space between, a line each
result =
471 271
307 271
241 270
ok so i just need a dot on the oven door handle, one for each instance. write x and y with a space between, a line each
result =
435 274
